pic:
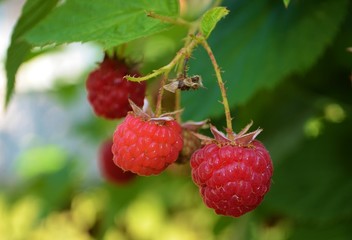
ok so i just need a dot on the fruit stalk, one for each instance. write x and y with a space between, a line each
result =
167 68
178 105
188 41
221 86
160 94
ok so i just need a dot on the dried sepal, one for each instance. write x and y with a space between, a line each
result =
171 113
241 139
246 128
148 115
138 111
204 139
165 118
194 126
218 135
146 108
246 139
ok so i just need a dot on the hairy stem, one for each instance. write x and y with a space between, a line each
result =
178 105
178 92
181 54
160 94
221 86
180 69
167 68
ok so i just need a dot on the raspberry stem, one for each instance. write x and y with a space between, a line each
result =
191 42
185 51
178 105
160 94
225 102
181 67
167 68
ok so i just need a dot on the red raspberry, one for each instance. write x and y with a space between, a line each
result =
108 169
233 175
108 91
146 146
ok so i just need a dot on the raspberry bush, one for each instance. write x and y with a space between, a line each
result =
161 114
146 143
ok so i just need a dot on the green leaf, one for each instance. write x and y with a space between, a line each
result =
109 22
260 44
33 11
211 18
310 180
16 54
313 183
308 231
286 3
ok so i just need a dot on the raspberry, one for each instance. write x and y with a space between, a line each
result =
108 169
146 146
108 91
233 175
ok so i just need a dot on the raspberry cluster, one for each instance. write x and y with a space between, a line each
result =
233 171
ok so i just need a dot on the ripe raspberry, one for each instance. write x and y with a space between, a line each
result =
108 91
108 169
146 146
233 175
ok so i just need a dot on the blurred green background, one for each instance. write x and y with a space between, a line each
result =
287 69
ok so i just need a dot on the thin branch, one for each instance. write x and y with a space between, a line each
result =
160 94
221 86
